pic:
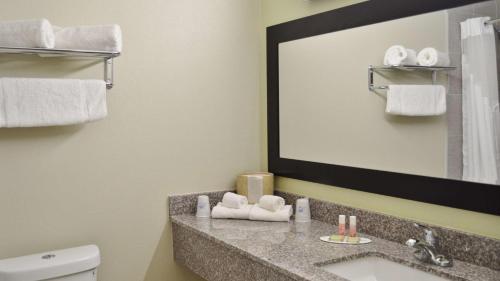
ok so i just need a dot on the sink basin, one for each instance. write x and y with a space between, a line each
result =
378 269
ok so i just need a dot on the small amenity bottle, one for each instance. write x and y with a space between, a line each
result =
352 226
342 225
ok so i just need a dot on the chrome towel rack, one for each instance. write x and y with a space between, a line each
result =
107 57
375 69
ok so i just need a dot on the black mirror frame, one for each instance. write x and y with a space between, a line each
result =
471 196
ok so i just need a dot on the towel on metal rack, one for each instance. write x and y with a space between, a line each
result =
35 102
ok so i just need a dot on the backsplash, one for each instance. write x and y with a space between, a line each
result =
474 249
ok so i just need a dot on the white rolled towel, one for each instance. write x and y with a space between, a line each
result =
433 57
399 55
234 201
271 203
36 33
221 212
259 214
35 102
92 37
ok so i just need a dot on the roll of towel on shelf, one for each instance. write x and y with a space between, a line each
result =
399 55
259 214
221 212
234 201
36 33
34 102
433 57
271 203
416 100
93 37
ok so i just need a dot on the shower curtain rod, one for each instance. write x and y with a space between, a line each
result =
492 22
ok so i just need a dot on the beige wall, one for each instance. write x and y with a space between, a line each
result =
183 118
328 115
278 11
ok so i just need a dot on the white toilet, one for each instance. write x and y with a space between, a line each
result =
75 264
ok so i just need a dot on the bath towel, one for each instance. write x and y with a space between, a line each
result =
416 100
34 102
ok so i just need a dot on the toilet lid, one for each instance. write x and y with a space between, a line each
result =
50 264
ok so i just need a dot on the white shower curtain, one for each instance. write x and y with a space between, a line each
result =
481 116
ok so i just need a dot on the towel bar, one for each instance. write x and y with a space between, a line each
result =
107 56
434 69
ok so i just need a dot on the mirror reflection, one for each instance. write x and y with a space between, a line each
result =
417 95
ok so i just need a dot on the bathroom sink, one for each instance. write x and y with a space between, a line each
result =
378 269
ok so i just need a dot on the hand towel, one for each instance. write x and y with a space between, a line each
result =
259 214
34 102
37 33
93 37
271 203
233 200
416 100
399 55
433 57
221 212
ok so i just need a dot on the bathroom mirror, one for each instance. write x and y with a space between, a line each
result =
326 125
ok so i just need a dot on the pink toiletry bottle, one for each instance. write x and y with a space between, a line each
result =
352 226
341 225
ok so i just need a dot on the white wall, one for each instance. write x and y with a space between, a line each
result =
183 117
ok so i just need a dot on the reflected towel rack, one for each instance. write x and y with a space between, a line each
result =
106 56
433 69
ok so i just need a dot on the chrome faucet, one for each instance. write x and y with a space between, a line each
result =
428 251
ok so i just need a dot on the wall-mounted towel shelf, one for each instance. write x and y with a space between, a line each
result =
433 69
106 56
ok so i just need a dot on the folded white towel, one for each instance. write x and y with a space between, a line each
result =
399 55
37 33
221 212
33 102
271 203
233 200
259 214
433 57
416 100
96 38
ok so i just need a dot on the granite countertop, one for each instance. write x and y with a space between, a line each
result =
294 249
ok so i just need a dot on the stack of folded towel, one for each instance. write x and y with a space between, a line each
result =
233 206
398 55
269 208
39 33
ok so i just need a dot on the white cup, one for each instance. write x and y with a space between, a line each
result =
203 207
302 210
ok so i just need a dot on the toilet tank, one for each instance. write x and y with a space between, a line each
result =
74 264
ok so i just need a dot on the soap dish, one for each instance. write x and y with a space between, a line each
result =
362 240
